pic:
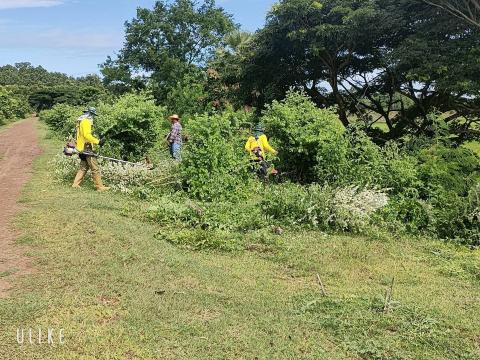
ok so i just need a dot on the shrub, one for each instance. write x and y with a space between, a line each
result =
214 163
440 166
188 97
406 212
62 118
12 105
352 160
352 207
305 135
132 125
293 204
346 209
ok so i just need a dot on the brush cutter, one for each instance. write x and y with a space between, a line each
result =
70 150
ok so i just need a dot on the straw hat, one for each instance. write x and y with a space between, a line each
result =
174 117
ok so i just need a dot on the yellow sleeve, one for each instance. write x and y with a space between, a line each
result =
248 146
266 146
86 129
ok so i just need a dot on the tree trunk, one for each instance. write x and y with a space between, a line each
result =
342 112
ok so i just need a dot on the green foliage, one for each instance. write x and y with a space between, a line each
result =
214 164
62 118
171 41
345 209
304 134
24 74
45 89
75 95
291 204
188 97
131 125
12 105
455 169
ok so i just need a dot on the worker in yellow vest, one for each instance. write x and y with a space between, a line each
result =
258 146
84 145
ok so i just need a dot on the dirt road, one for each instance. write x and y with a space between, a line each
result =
18 148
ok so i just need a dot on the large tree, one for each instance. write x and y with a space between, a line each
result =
312 45
168 43
428 64
467 10
394 61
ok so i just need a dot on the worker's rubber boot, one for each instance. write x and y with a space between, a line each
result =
97 180
78 178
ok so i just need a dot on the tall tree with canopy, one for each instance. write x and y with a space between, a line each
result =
394 61
166 44
311 44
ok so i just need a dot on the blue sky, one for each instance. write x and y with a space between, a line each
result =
74 36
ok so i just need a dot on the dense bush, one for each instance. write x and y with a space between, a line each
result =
132 125
62 118
215 165
12 105
341 180
428 179
346 209
305 135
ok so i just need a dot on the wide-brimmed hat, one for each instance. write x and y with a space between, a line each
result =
174 117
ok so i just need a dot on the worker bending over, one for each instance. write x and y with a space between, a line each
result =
258 146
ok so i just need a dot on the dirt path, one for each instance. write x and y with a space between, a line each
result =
18 149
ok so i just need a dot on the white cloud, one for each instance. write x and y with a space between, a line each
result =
14 4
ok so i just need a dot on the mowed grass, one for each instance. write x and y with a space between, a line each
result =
120 292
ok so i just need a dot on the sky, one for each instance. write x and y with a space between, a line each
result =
74 36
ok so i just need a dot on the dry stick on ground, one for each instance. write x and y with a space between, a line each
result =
324 292
388 297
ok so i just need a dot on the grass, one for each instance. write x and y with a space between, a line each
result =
4 125
120 291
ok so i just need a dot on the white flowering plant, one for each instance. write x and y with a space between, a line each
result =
352 207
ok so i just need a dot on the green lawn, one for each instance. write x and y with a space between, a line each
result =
122 293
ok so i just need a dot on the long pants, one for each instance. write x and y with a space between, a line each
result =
89 162
175 150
